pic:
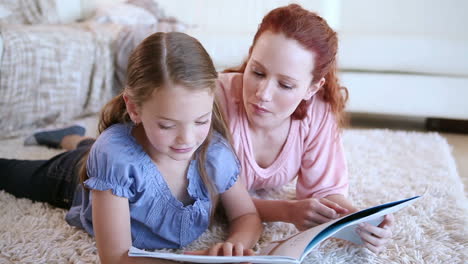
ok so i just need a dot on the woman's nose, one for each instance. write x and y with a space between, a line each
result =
264 91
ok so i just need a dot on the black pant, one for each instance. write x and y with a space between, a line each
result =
53 181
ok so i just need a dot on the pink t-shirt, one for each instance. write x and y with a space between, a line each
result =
313 150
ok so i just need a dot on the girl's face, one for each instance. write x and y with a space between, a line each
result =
278 76
176 121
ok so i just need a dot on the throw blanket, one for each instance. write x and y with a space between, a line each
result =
53 73
29 12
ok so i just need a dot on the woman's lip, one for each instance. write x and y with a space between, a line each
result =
260 109
181 150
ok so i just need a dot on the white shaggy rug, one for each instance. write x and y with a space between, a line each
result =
384 166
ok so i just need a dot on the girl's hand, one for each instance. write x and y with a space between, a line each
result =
224 249
375 238
311 212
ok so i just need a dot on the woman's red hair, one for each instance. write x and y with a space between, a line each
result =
313 33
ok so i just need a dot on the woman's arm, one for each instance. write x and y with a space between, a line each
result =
310 212
343 202
304 213
111 224
374 237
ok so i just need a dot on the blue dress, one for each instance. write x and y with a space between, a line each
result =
118 163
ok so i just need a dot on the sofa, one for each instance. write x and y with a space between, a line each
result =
396 57
60 60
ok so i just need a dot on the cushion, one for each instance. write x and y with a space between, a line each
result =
407 94
124 14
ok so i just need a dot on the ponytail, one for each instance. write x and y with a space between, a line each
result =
113 112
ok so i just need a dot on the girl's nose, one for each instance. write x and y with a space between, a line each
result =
186 136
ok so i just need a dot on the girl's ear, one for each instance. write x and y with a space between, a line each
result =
314 88
132 110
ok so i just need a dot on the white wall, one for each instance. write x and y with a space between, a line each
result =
230 16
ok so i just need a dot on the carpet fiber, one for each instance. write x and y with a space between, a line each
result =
384 166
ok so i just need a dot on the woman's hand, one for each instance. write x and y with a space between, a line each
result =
376 238
311 212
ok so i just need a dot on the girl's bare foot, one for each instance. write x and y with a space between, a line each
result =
53 138
70 142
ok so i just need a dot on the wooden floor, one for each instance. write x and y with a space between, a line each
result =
459 142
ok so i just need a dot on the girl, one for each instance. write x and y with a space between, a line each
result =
152 177
285 109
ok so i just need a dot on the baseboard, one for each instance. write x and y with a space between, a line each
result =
447 125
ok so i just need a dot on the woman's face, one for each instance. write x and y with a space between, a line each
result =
278 76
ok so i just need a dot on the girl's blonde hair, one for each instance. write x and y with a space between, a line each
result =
164 60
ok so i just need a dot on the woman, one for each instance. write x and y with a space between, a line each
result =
284 107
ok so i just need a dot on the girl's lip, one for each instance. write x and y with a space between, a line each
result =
260 109
181 150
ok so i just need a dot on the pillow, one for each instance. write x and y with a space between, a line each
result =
4 12
124 14
165 23
128 38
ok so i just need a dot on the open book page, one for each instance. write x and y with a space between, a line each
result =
135 252
295 248
295 245
299 245
373 215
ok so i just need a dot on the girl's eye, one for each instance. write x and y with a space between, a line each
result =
202 122
165 127
286 86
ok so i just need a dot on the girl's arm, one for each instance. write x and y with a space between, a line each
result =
245 226
111 224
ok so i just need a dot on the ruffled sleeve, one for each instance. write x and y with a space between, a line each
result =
109 169
222 164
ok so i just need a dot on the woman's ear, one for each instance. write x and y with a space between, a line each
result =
314 88
132 109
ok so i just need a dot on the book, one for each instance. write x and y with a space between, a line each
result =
295 248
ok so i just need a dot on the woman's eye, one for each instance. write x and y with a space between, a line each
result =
202 122
285 86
